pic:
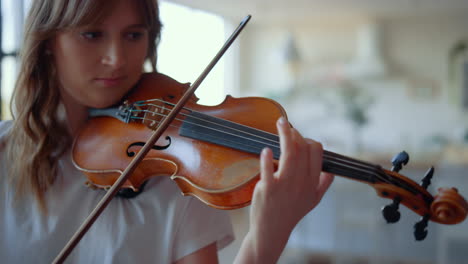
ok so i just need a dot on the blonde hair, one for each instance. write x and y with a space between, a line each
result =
39 137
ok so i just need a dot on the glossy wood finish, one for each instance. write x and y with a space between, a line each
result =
221 177
447 207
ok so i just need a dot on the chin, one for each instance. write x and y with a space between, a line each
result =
104 103
104 97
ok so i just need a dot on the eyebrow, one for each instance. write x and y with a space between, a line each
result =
138 26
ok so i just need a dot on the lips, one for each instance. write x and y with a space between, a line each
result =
110 81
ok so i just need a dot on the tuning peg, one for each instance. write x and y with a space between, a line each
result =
399 160
426 181
420 231
390 212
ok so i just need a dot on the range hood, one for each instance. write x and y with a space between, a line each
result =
369 62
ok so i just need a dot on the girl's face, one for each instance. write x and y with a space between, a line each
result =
97 65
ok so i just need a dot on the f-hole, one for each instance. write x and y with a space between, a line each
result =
141 144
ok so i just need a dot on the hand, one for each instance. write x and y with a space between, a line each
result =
283 197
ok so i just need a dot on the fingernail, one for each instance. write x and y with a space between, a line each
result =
264 151
281 120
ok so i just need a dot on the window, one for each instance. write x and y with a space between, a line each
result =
11 29
190 39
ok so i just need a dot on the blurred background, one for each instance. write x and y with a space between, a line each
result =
367 78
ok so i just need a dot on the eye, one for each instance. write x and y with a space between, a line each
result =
91 35
135 35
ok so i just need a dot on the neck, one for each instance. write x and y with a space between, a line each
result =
236 136
349 167
76 113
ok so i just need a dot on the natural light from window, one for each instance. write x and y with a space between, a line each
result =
190 39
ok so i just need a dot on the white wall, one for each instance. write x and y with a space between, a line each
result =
411 104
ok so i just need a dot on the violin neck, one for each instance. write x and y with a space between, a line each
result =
236 136
350 167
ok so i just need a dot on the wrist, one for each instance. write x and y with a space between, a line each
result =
263 246
270 233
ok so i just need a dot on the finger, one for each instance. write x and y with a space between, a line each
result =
325 181
317 148
315 160
286 145
300 158
266 166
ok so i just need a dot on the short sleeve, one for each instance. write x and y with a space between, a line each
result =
201 226
5 127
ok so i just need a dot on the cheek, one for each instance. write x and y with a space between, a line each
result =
73 62
72 75
137 56
135 62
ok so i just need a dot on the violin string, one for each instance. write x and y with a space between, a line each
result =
258 149
342 164
338 156
331 158
258 136
275 143
335 158
208 121
272 144
356 164
376 168
350 166
371 166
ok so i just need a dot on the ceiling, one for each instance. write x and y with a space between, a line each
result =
301 9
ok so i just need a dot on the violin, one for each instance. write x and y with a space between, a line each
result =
212 153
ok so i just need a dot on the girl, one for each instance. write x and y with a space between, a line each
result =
79 54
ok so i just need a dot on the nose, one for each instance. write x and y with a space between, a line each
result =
114 55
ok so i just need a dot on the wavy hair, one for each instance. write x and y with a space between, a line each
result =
39 135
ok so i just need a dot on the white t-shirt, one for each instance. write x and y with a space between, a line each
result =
158 226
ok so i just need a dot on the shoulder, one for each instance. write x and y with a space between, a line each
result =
5 127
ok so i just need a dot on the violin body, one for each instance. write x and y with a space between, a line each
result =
220 176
